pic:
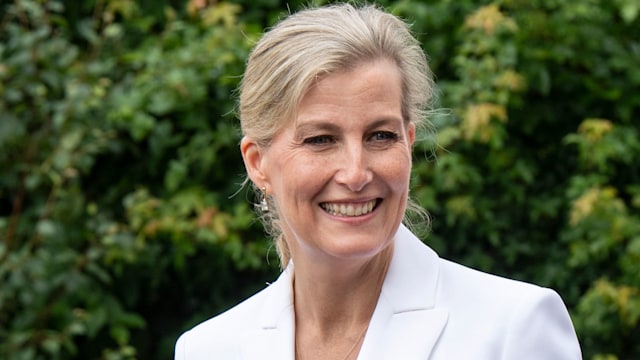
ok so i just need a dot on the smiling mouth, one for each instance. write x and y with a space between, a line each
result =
350 209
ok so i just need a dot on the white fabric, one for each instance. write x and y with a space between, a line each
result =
429 308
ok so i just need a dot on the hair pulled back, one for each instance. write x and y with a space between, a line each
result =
312 43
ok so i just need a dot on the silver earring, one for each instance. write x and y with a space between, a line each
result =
264 206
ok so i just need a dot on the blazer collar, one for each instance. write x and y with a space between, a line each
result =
412 278
405 324
274 338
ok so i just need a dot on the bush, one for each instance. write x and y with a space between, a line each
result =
116 158
119 157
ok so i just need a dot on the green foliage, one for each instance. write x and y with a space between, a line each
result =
112 156
119 161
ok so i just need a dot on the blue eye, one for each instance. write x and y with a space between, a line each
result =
384 136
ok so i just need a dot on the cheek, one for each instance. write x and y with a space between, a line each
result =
397 173
297 175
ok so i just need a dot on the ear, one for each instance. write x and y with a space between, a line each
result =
411 134
253 157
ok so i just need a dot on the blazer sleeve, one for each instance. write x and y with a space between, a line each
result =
542 329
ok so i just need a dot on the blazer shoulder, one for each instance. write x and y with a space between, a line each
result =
481 294
226 336
239 316
221 335
455 277
508 319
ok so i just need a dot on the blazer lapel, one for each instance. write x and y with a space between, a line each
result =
274 338
406 324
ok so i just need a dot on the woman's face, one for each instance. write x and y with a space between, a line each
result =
339 173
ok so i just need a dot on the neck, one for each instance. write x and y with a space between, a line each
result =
339 296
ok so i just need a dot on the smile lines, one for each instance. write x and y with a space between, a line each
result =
349 209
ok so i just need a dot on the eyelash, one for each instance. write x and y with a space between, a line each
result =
320 140
388 135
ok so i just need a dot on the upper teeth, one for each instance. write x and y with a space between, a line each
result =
349 209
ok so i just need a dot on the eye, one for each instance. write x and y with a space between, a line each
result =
384 136
319 140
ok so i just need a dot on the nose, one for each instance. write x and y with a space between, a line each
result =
354 170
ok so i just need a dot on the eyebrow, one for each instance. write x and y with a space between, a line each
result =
314 125
311 126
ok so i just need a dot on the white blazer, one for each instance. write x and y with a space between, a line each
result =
429 308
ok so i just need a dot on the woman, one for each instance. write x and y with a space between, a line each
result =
329 106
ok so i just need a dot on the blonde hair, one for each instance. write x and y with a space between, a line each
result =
314 42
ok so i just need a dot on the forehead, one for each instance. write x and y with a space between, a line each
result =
374 86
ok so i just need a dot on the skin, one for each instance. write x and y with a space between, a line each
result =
348 146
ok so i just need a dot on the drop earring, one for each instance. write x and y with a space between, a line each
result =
264 206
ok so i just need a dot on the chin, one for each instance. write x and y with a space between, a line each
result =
360 248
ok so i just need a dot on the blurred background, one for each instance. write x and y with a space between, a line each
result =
122 217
